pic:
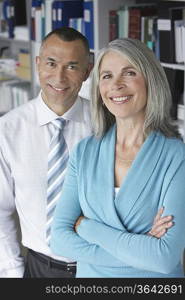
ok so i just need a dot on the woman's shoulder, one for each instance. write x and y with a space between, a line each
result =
175 146
93 143
87 143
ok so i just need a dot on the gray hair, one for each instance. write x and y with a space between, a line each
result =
159 100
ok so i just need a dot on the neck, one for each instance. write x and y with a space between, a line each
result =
57 106
130 134
129 140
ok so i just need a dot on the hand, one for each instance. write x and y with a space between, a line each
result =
78 221
160 224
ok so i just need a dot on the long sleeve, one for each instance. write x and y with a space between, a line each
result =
64 240
142 251
11 262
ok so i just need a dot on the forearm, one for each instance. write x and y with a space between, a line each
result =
11 261
66 242
138 250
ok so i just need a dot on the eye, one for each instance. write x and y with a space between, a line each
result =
106 76
130 73
72 67
51 64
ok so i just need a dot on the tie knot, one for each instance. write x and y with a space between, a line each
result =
59 123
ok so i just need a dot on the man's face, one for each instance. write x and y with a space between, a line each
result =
62 67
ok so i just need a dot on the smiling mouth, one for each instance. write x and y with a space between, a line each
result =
120 100
57 89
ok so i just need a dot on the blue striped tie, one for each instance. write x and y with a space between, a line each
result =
57 162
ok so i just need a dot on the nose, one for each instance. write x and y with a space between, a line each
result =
118 83
60 74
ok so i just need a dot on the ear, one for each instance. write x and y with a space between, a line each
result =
37 61
88 71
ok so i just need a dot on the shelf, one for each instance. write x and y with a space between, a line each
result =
173 66
13 42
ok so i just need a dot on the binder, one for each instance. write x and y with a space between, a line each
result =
54 14
48 16
20 6
9 15
168 13
179 28
11 18
89 22
38 24
176 83
62 11
43 19
123 20
36 4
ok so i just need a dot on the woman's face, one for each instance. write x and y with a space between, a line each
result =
122 87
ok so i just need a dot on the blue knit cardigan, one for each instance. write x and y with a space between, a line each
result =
112 241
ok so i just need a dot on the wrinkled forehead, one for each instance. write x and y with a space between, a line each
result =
108 59
56 44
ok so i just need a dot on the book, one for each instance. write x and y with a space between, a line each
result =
24 59
113 25
135 15
38 24
43 19
123 22
88 7
9 15
148 32
23 72
35 6
48 16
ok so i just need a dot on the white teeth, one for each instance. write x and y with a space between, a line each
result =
57 89
119 99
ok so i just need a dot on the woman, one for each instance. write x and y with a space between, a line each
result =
120 177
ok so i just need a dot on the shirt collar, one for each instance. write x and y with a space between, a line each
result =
46 115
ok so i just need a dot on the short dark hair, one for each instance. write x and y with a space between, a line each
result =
68 34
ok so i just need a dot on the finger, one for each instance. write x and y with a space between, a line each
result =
157 229
159 214
162 221
157 234
161 233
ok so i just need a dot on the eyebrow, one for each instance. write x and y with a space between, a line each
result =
50 58
73 63
69 63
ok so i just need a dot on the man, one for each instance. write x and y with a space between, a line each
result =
26 135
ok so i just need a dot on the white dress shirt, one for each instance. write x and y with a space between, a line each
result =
25 134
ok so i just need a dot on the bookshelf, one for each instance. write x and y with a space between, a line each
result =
181 107
15 89
101 20
100 34
100 12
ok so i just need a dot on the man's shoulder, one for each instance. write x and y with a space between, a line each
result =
85 108
19 113
85 102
